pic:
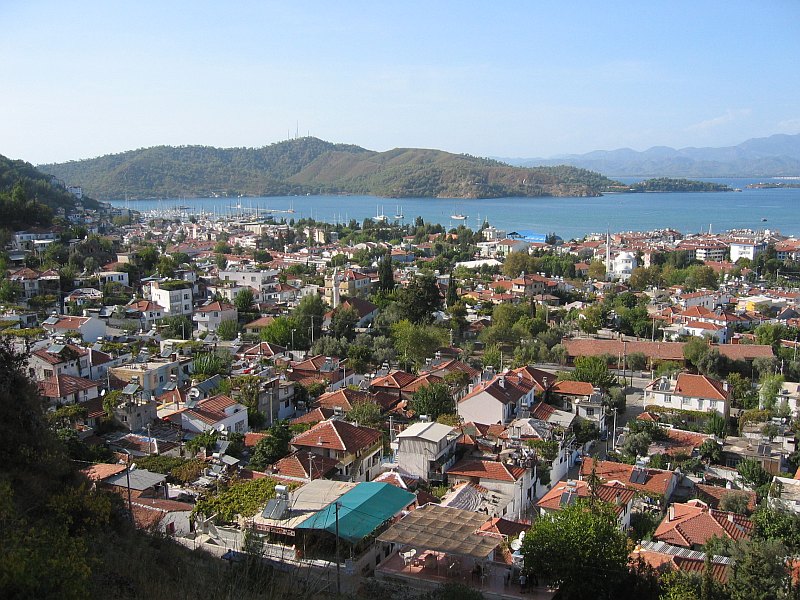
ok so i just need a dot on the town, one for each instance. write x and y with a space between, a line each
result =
380 405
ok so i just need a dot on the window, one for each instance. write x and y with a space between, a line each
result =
589 412
667 399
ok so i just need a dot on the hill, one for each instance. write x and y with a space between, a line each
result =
774 156
312 166
29 198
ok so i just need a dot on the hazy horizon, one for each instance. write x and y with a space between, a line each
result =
515 80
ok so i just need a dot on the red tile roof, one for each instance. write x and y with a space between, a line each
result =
659 350
486 469
713 495
313 416
102 471
215 306
505 388
337 435
614 494
212 410
700 386
694 523
656 481
573 388
296 466
61 386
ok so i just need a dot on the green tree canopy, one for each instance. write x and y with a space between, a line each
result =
594 370
580 550
432 400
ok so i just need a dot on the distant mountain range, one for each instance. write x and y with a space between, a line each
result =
774 156
312 166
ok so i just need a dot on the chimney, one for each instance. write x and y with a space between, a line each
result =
730 517
617 499
671 514
501 381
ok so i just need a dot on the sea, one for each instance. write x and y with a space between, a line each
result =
774 209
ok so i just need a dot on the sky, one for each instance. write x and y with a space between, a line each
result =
540 78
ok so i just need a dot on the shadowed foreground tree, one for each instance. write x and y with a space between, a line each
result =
581 550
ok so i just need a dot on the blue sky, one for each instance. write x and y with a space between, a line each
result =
515 79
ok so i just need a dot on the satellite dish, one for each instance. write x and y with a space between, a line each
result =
516 545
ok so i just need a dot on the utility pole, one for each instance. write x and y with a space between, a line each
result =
614 434
128 480
338 577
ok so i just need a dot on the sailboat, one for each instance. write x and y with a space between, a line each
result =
380 217
457 216
399 214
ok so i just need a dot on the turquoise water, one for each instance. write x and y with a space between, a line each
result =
568 217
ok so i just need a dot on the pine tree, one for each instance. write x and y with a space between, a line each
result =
452 294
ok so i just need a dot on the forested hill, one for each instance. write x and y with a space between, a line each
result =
29 198
312 166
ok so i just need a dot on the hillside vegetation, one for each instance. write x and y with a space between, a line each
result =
28 197
312 166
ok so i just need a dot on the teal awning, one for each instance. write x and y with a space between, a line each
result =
361 510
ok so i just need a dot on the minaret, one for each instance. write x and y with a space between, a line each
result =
608 255
335 290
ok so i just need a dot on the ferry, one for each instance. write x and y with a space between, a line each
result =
459 217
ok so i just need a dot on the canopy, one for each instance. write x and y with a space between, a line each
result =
444 529
361 510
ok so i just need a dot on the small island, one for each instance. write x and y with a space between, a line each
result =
772 185
667 184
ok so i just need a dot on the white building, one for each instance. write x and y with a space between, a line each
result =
426 450
218 413
209 317
690 392
623 265
174 296
497 400
748 250
120 277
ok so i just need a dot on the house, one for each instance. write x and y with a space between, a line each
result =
342 400
689 392
425 450
357 450
209 316
304 466
347 284
666 558
551 441
654 485
89 328
169 517
174 295
659 351
265 352
217 413
147 312
582 399
567 493
712 495
746 249
255 327
693 523
120 277
365 310
66 389
784 494
153 374
513 485
326 370
496 400
56 359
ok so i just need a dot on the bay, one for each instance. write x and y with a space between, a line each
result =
689 212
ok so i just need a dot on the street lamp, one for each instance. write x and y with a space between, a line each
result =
293 339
